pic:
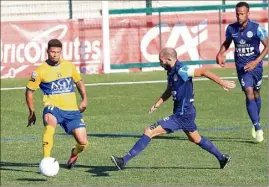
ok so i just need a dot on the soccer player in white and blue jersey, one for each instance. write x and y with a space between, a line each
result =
247 36
180 87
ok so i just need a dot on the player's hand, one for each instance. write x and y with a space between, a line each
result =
220 60
153 108
250 66
83 106
227 85
31 119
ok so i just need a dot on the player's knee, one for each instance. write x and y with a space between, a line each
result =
191 139
50 119
194 138
80 135
250 97
83 141
84 144
256 94
150 131
249 94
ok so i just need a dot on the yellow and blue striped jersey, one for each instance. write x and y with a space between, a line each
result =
57 84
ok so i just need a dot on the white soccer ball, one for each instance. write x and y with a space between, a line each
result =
49 166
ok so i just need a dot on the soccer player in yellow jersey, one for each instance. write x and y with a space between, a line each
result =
56 78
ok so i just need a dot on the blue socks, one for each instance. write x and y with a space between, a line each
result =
253 112
140 145
207 145
259 104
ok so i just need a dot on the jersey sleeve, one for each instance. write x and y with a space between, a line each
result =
228 33
262 33
34 81
75 74
186 72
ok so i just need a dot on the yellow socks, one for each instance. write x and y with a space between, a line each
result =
79 148
48 140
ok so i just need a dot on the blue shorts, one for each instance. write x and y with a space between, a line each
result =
176 122
251 79
69 120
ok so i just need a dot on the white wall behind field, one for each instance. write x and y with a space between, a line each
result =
51 10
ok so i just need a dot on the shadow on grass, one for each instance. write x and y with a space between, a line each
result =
97 171
36 165
31 180
4 166
101 171
13 166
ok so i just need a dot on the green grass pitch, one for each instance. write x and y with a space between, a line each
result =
116 117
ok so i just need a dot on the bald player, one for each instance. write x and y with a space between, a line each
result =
180 87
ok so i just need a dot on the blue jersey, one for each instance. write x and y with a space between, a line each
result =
180 80
247 43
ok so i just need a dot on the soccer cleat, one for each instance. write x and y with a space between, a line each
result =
72 160
119 163
225 161
259 136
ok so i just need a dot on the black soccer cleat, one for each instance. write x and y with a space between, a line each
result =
225 161
118 161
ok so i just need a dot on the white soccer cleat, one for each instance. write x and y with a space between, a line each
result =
259 136
253 132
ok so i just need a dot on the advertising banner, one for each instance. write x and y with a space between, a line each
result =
133 39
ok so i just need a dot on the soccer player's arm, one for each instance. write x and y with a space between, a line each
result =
263 36
202 72
81 88
224 47
187 72
165 96
32 85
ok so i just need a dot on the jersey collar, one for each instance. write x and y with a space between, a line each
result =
52 64
173 69
248 23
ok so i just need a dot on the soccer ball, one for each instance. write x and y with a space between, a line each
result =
49 166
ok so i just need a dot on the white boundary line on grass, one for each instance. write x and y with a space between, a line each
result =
127 83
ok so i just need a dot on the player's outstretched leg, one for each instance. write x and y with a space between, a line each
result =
207 145
82 142
139 146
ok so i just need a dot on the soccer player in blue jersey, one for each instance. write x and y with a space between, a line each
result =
56 78
180 87
247 35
